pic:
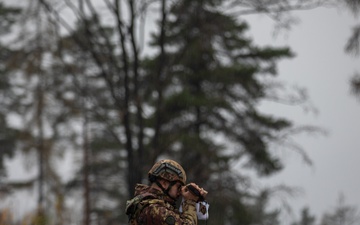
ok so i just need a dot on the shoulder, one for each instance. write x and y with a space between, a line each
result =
157 205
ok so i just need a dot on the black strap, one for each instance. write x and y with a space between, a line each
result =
166 191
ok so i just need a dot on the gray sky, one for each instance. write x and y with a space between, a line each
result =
324 69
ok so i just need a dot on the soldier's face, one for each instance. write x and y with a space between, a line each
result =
175 190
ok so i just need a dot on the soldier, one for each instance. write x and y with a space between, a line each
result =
155 204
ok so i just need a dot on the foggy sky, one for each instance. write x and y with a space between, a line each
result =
325 70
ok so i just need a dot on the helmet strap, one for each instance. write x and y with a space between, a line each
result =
166 191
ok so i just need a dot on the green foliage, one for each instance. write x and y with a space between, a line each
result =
216 72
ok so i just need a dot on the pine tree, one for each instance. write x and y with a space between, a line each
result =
212 79
342 214
353 44
306 218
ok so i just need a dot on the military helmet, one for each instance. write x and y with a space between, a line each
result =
169 170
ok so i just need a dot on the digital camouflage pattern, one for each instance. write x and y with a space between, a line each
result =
152 207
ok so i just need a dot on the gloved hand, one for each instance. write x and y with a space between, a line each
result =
193 192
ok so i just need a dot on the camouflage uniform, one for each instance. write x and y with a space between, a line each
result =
152 207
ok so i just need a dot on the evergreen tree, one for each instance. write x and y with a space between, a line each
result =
306 218
353 44
214 79
34 97
342 214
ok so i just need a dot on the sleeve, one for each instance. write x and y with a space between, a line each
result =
189 211
158 214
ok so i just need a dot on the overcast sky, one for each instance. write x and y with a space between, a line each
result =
324 69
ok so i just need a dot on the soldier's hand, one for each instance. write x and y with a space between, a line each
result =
193 192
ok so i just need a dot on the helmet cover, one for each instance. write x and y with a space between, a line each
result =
169 170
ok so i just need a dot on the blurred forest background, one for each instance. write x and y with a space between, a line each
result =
108 87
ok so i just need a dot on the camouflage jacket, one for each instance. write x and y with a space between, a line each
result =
152 207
